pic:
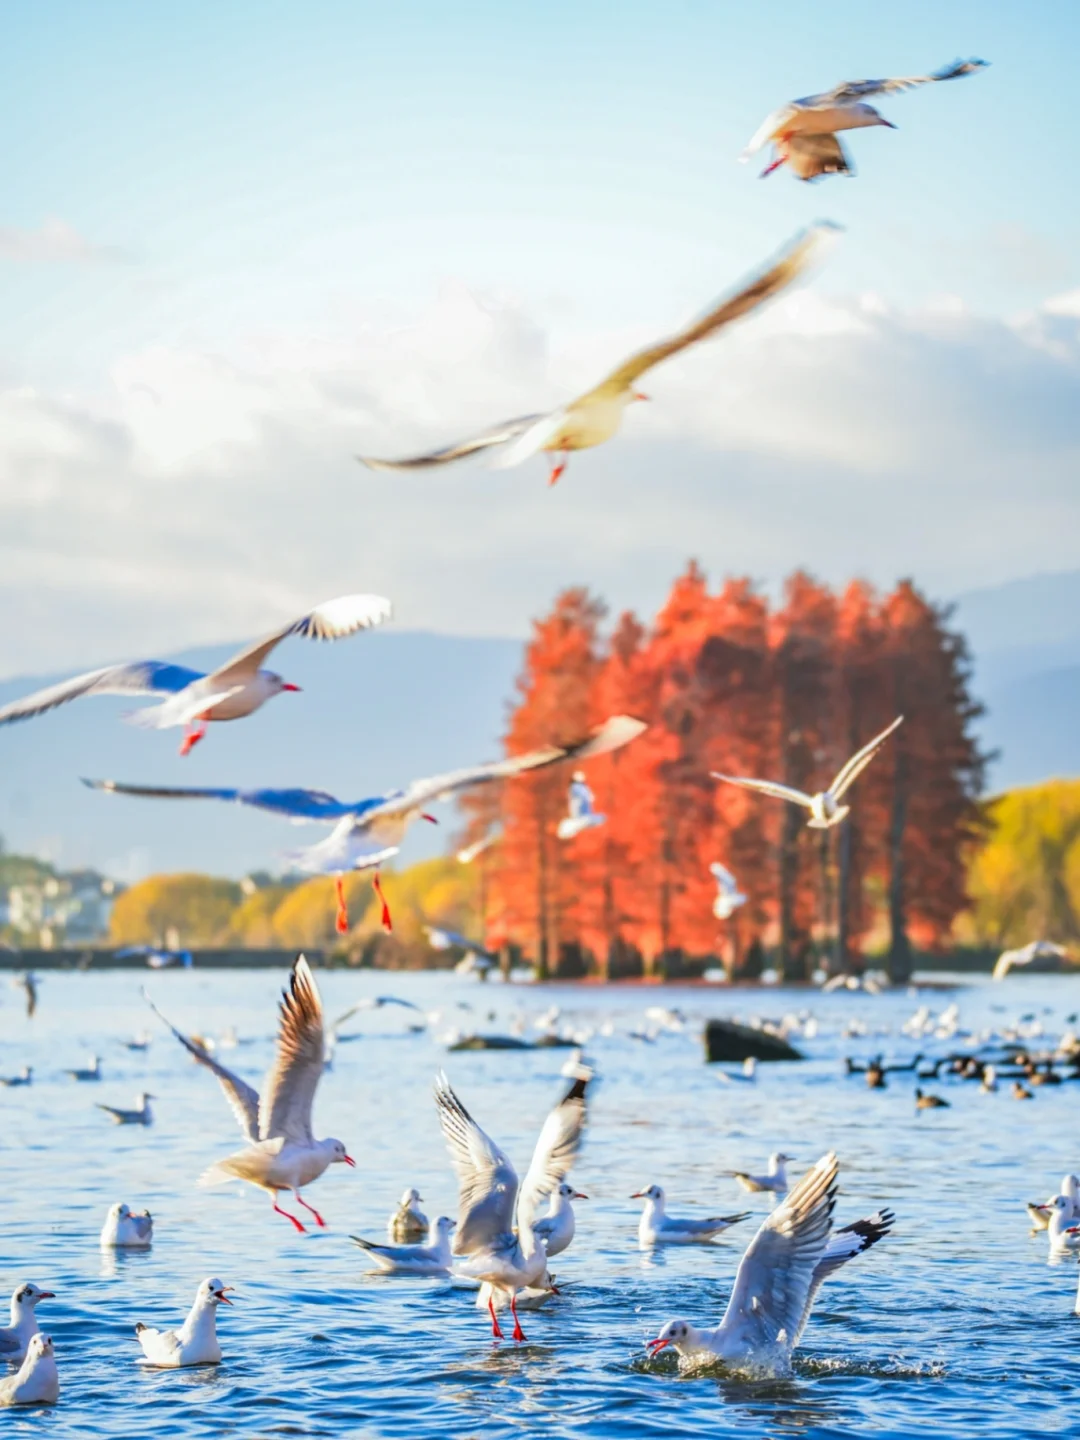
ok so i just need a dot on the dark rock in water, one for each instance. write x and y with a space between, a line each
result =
726 1041
491 1042
554 1042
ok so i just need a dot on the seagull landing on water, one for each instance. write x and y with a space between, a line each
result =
430 1258
126 1230
491 1201
195 1342
581 814
787 1261
656 1227
596 416
233 691
15 1338
36 1382
774 1180
825 809
368 833
141 1115
728 895
282 1152
803 134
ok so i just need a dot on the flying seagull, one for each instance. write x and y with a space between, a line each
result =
803 134
233 691
824 807
368 833
594 417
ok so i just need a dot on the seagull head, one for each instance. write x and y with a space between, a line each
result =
654 1192
675 1332
27 1297
338 1153
277 684
569 1193
41 1346
213 1292
411 1196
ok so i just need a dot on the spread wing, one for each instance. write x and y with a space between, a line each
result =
295 804
497 435
285 1104
776 277
771 126
145 677
332 620
556 1150
843 1246
776 1273
858 763
767 787
853 91
487 1182
240 1095
810 156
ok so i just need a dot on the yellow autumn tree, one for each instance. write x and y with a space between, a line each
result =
1024 882
252 924
182 909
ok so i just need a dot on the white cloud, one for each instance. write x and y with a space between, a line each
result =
53 242
207 494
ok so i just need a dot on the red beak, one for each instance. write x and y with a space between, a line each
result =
220 1295
638 1195
655 1346
46 1295
637 395
430 819
577 1195
294 688
349 1161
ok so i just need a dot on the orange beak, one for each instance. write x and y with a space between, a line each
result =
220 1294
638 1195
577 1195
655 1346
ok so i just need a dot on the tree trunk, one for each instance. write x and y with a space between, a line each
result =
900 957
828 954
843 918
790 966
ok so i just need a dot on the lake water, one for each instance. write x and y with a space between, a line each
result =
953 1326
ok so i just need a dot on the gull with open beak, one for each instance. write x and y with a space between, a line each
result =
368 833
193 699
16 1337
596 416
282 1152
195 1342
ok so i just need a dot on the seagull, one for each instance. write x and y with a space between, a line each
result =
24 1077
368 833
141 1115
91 1072
775 1179
596 416
477 960
196 1342
580 814
432 1258
825 811
1070 1188
1064 1235
470 852
658 1228
14 1338
728 895
556 1228
408 1224
139 1043
282 1152
803 133
778 1278
126 1230
369 1002
232 691
747 1075
989 1080
491 1198
36 1382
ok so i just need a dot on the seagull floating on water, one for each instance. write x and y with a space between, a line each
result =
430 1258
778 1278
195 1342
408 1224
141 1115
656 1227
15 1338
580 814
596 416
368 833
804 132
231 692
124 1229
728 895
824 807
24 1077
282 1152
1070 1189
1064 1234
36 1382
491 1199
774 1179
88 1072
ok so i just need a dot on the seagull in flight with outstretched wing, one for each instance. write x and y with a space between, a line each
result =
193 699
368 833
803 134
596 416
825 809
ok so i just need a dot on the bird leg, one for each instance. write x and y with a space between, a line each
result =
195 732
341 922
558 469
301 1201
774 166
519 1334
387 923
293 1218
496 1333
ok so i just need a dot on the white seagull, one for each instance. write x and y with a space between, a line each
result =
555 1230
1063 1233
657 1227
408 1224
368 833
124 1229
232 691
596 416
803 133
728 895
24 1077
580 813
1040 1214
778 1279
282 1152
775 1179
141 1115
491 1199
14 1338
430 1258
36 1382
824 807
195 1342
88 1072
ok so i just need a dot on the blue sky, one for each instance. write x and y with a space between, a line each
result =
251 203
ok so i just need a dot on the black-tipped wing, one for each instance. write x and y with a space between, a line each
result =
332 620
145 677
294 804
289 1090
241 1096
497 435
555 1152
853 91
844 1245
487 1182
